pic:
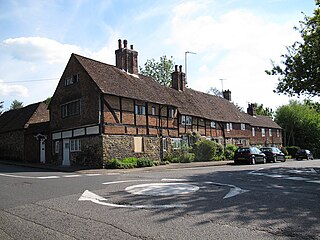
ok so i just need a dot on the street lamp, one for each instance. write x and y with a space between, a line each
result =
185 61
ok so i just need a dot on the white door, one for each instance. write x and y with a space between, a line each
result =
42 151
66 152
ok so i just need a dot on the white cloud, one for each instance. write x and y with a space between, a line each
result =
39 49
236 45
13 90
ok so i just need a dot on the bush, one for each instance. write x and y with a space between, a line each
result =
284 150
205 150
145 162
186 158
229 151
292 150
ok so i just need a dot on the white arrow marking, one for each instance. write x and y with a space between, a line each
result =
90 196
234 192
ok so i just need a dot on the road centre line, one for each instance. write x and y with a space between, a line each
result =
49 177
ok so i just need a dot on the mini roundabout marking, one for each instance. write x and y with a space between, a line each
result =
167 187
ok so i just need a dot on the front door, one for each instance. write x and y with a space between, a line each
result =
66 152
42 150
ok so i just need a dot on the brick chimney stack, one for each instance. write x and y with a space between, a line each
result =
227 95
178 79
126 59
251 110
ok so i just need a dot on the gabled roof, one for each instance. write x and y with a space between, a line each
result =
114 81
261 121
20 118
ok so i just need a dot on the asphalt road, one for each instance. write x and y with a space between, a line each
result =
263 201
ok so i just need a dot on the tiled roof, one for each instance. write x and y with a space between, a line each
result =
112 80
20 118
261 121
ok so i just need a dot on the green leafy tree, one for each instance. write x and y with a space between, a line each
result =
299 71
263 111
47 101
301 125
16 104
160 71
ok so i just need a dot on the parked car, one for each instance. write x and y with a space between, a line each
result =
273 154
250 155
304 154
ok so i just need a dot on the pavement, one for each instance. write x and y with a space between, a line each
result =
102 171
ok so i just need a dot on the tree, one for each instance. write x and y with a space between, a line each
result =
301 125
47 101
299 72
215 91
16 105
263 111
160 71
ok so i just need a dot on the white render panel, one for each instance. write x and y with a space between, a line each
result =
79 132
56 136
93 130
67 134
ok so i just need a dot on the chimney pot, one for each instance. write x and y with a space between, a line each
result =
176 68
125 43
180 68
119 44
131 47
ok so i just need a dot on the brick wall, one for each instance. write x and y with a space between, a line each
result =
12 145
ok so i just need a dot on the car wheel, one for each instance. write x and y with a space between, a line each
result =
253 160
283 160
308 158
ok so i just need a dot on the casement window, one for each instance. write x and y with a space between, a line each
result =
153 111
75 145
138 144
176 143
186 120
243 126
229 127
278 133
263 132
56 146
213 124
140 110
71 80
270 132
171 112
253 132
70 109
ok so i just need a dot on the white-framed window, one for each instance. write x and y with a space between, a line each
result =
164 144
263 132
75 145
71 80
213 124
176 143
70 109
278 133
171 112
153 111
186 120
229 127
270 132
140 110
243 126
253 132
56 146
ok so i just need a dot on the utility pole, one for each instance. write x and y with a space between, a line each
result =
222 79
185 61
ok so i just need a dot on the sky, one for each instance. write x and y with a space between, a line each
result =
234 40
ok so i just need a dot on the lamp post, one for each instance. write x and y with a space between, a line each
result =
185 61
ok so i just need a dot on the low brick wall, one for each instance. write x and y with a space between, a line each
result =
122 146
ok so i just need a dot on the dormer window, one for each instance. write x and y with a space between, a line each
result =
71 80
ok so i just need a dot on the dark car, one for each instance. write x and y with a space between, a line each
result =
304 154
273 154
250 155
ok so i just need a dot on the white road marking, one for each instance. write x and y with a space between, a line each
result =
15 176
93 174
125 181
287 177
71 176
162 189
174 180
48 177
92 197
